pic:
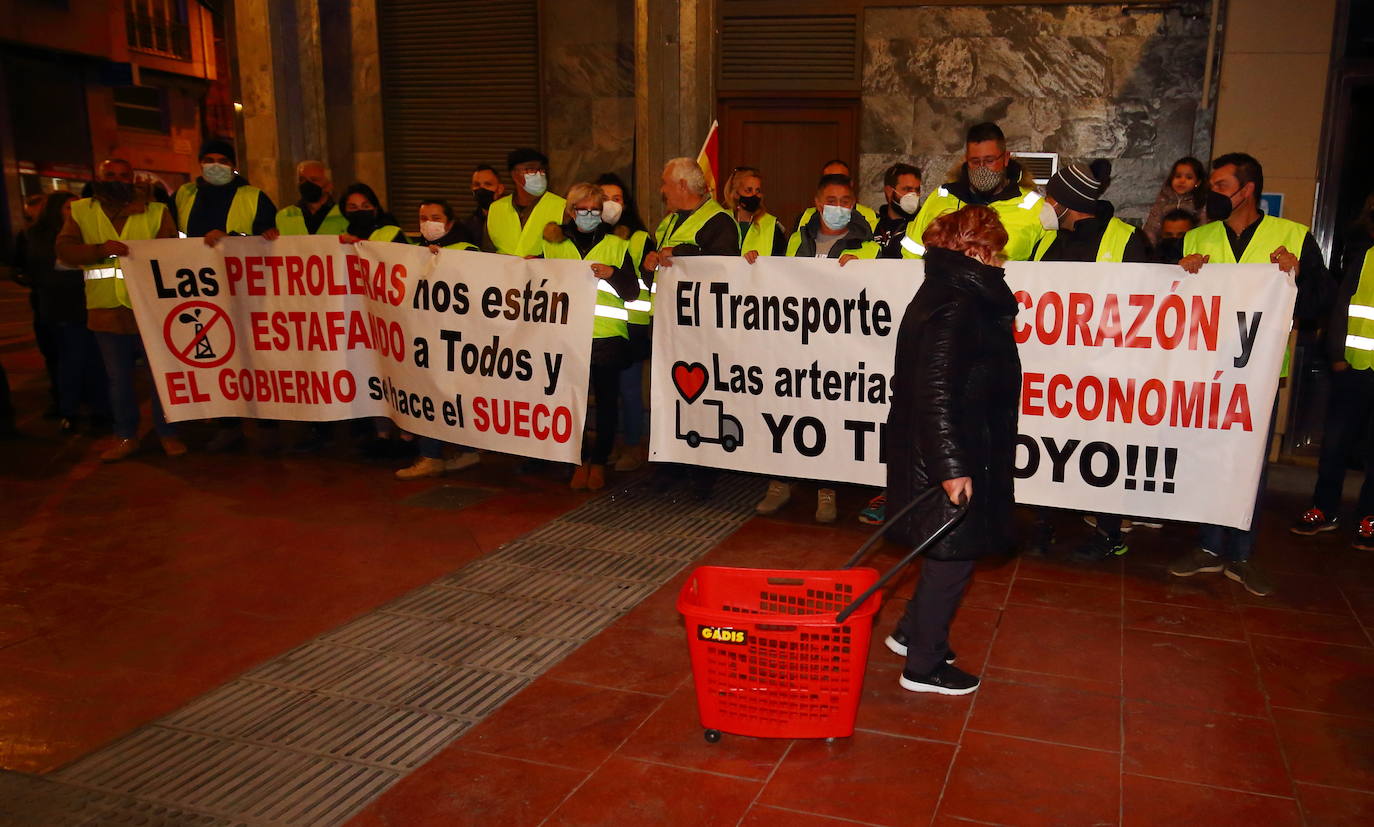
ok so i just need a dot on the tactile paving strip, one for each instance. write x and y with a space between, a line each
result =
312 736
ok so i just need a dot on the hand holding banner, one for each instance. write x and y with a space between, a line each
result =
472 348
1145 391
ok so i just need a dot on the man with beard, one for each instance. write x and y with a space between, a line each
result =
92 239
988 176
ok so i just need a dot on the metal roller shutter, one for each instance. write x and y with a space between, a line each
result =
460 86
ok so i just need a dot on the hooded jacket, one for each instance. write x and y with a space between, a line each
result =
956 390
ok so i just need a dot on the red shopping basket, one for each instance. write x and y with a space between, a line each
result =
768 657
782 654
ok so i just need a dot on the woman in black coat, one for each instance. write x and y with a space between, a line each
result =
953 424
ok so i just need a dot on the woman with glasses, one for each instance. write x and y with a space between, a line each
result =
583 235
761 233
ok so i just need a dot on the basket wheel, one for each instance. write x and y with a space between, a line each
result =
712 736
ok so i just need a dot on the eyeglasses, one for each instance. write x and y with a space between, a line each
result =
588 212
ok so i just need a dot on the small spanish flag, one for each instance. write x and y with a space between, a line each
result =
709 157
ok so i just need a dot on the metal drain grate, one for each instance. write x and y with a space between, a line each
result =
314 735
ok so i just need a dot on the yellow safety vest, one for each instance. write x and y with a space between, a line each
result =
291 221
503 224
1211 240
1020 217
242 210
866 211
612 319
869 249
641 309
387 232
759 237
104 280
462 245
1359 332
1111 247
671 232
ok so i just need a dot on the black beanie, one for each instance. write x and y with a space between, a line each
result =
524 156
218 146
1079 186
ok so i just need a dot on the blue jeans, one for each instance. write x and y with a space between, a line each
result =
431 448
120 351
632 403
80 372
1232 544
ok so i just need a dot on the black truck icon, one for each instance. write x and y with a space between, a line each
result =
727 431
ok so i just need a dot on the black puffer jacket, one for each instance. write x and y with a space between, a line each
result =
954 403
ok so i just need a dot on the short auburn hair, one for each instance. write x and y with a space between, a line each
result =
974 228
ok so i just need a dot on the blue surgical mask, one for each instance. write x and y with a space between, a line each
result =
835 216
217 174
587 223
535 183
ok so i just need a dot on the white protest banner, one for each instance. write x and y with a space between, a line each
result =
472 348
1145 392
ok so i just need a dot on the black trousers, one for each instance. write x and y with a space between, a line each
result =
610 355
932 607
1348 417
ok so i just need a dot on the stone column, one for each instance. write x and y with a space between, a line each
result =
280 87
675 96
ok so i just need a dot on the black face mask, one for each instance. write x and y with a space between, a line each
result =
361 219
310 191
485 197
1218 207
119 192
1170 250
750 203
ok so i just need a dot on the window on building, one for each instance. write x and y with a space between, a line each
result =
141 107
159 27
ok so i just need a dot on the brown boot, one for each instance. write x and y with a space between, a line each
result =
596 477
121 449
632 458
580 476
172 446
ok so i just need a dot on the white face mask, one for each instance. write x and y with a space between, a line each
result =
1049 219
910 203
535 183
611 211
217 174
433 230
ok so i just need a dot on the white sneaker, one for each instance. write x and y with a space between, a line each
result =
778 494
825 506
467 459
423 467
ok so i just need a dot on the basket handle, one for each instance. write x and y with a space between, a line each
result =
959 514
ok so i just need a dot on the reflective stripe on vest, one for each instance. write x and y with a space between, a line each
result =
641 309
759 238
104 280
512 239
1110 248
671 232
1272 233
1020 217
242 210
612 319
291 221
1359 339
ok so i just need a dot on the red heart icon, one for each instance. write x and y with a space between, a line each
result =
690 379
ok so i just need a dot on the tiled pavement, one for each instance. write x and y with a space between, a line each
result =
1113 694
